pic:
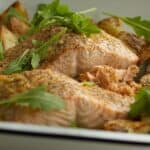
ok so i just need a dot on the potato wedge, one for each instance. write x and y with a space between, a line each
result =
17 26
18 6
8 39
128 126
111 25
145 80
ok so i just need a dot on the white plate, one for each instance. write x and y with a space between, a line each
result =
21 137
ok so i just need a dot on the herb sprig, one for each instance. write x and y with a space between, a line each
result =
141 106
140 26
88 84
1 51
56 13
36 98
31 58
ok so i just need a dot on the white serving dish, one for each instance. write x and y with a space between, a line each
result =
21 137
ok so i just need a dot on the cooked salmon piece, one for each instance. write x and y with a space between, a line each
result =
90 107
18 83
77 53
26 115
117 80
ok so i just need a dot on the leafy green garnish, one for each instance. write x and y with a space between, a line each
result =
141 106
73 125
12 12
19 64
1 51
35 60
31 58
56 13
36 98
141 27
37 43
87 84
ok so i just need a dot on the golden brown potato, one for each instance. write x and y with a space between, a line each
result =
7 37
145 80
128 126
133 41
111 25
137 44
145 55
18 6
17 26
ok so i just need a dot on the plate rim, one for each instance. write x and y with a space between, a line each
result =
19 129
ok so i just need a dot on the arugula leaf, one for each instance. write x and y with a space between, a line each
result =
31 58
73 125
44 11
19 64
87 11
35 61
63 10
37 43
83 24
36 98
12 12
43 49
56 13
141 106
141 27
87 83
1 51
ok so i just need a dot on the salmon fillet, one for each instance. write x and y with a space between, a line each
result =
89 107
82 53
78 53
18 83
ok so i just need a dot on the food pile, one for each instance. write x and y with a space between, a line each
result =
61 68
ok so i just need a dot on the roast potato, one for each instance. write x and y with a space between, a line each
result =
7 37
